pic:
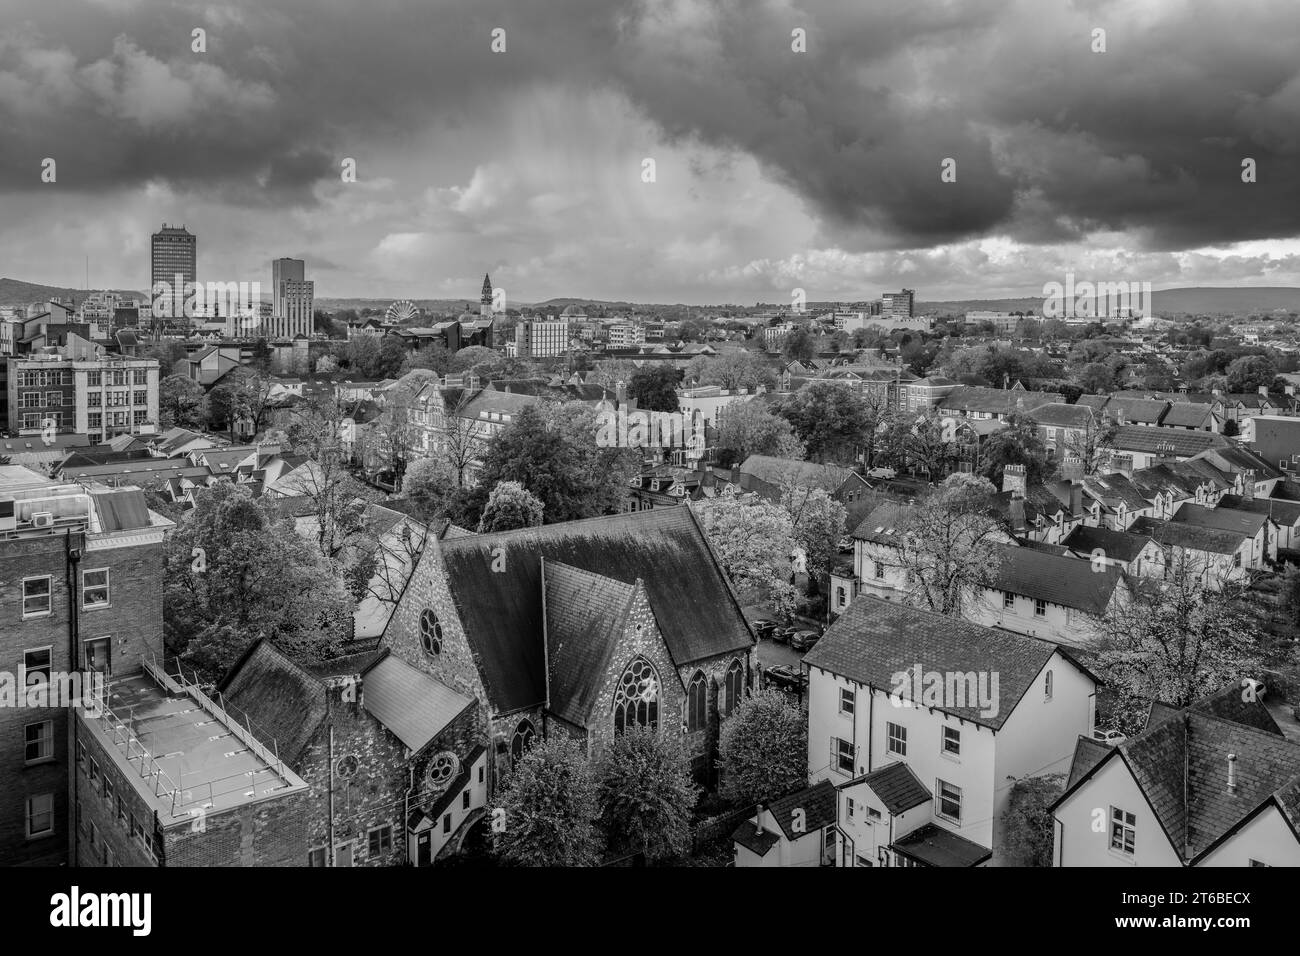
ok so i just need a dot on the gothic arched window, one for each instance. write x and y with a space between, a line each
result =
733 688
636 699
522 737
697 699
430 632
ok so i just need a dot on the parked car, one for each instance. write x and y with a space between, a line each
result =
785 677
802 640
763 626
781 634
881 473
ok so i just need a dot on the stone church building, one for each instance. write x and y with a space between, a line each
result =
582 628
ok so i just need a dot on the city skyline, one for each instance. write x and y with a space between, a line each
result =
775 169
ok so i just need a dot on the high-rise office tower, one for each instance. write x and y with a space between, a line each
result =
293 298
173 254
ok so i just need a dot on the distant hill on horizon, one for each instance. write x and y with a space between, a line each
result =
1196 300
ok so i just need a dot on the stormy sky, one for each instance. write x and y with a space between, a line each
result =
774 169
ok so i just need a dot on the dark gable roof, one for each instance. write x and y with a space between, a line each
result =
898 788
1113 489
1234 458
1283 512
1061 415
1189 537
802 473
1224 519
889 516
818 804
1181 764
1069 582
873 640
1117 545
121 510
974 398
1156 440
1187 415
692 600
584 614
284 702
1087 754
410 703
753 839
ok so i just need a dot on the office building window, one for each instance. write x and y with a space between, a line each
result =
94 588
38 741
40 815
896 739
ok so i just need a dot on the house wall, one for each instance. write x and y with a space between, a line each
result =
1059 623
1040 735
866 730
1267 839
1077 843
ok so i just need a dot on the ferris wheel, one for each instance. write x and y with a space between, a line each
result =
401 311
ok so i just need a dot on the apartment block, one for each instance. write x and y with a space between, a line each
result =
75 390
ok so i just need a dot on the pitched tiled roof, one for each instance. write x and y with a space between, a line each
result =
898 788
1283 512
1224 519
1187 415
1117 545
1156 440
584 614
123 509
692 601
1087 754
817 802
1061 415
973 398
1069 582
1188 536
410 703
889 516
1234 458
875 640
284 702
1112 489
753 839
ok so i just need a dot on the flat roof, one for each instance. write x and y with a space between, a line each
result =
192 753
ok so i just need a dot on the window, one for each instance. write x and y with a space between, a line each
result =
880 570
38 742
94 835
1236 560
951 741
40 815
896 739
849 808
29 400
863 861
480 773
841 597
872 814
446 823
140 398
316 857
947 801
733 688
1040 608
95 400
81 753
95 379
140 376
1047 686
140 416
95 421
464 800
846 701
1008 600
1123 831
93 771
381 840
696 700
108 791
36 667
520 739
54 399
96 653
346 767
94 588
636 700
36 596
110 858
430 632
842 755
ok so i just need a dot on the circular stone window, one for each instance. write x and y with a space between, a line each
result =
347 766
442 770
430 632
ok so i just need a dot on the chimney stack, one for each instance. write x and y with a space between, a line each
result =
1072 469
1016 511
1014 480
1076 498
1248 484
1232 773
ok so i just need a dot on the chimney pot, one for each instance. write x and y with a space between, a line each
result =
1232 773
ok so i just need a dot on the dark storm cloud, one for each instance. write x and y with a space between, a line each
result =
1052 142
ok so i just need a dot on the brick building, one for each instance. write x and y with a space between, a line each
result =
79 572
403 757
584 628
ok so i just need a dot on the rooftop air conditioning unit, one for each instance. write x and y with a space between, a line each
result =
42 519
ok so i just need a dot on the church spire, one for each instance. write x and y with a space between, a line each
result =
486 297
